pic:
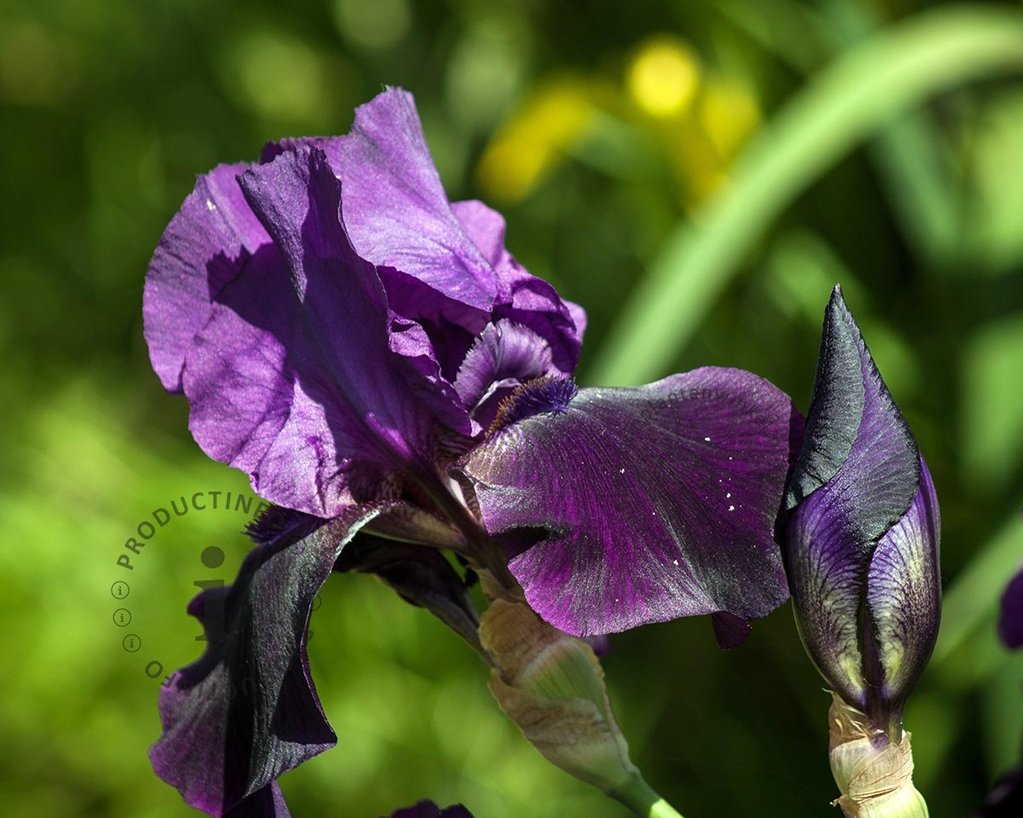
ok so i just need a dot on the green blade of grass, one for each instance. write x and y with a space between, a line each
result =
860 92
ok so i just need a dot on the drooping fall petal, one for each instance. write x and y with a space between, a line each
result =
648 503
246 711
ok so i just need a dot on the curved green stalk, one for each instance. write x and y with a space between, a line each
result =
638 796
888 73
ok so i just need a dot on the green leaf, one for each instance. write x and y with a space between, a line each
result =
863 89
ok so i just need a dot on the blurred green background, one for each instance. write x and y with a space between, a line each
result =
697 175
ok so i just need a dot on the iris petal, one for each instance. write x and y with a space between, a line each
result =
650 503
265 803
504 356
443 265
246 711
522 297
293 379
904 592
396 210
420 575
205 246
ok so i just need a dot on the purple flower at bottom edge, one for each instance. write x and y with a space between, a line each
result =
428 809
386 373
862 541
1010 620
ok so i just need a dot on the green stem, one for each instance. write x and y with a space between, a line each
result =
858 94
638 796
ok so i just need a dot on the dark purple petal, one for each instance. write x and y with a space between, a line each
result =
246 711
1010 621
522 297
651 503
265 803
730 631
428 809
205 246
862 542
854 423
294 379
1006 798
397 213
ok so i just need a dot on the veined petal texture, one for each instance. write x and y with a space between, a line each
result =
646 504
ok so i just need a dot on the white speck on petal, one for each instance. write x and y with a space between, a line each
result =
621 471
707 439
210 205
675 561
731 508
728 494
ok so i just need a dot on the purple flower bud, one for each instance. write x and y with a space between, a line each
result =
862 540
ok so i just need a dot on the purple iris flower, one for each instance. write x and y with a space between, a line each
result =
397 384
1006 798
1010 621
428 809
862 540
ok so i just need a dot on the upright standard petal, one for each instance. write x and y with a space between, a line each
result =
246 711
204 247
293 378
503 357
521 297
862 541
398 214
442 265
647 504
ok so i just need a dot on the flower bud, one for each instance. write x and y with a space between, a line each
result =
552 686
861 544
861 553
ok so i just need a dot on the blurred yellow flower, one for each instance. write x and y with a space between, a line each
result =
698 116
664 77
533 141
